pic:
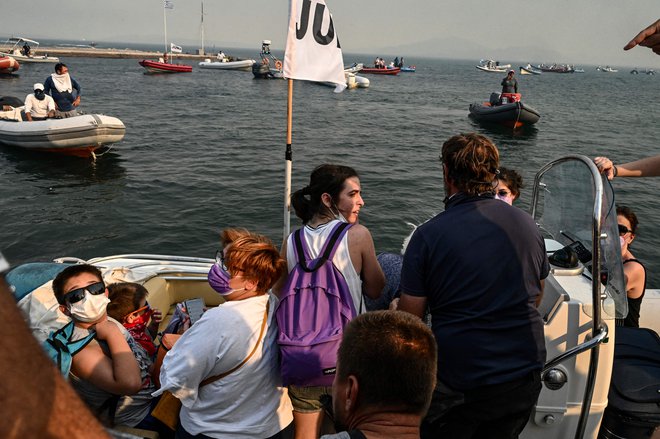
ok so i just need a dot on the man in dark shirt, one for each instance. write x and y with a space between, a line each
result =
479 267
65 91
510 84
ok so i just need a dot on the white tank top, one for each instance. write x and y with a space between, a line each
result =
315 238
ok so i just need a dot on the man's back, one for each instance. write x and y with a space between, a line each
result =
480 264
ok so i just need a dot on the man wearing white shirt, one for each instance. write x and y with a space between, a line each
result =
38 105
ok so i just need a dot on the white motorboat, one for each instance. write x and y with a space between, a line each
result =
352 81
354 68
606 69
243 64
488 65
529 70
574 208
79 135
16 47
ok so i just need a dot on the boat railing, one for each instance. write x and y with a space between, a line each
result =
599 329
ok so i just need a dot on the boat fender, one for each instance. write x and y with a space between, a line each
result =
278 64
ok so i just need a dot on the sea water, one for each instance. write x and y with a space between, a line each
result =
205 150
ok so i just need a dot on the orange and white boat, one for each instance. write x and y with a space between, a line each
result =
8 64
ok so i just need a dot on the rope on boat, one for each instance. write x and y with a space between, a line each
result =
104 152
519 108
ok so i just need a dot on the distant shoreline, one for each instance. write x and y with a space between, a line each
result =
91 52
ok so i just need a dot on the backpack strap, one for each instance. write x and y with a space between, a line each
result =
327 251
61 349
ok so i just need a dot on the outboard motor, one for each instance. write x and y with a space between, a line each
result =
494 99
261 70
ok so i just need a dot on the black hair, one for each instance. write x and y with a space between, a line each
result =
325 179
69 272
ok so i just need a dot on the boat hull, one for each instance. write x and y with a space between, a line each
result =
8 64
387 71
80 135
32 59
490 70
244 64
163 67
514 115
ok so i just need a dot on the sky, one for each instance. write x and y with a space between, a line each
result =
589 32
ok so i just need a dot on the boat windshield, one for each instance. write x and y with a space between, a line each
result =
565 207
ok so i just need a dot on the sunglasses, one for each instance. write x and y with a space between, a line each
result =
623 229
78 294
220 259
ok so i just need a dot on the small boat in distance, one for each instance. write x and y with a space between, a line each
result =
606 69
239 64
8 64
529 70
634 71
504 109
354 68
381 71
162 66
556 68
650 72
270 67
409 69
24 50
488 65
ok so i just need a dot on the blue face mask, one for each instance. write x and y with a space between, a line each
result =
219 281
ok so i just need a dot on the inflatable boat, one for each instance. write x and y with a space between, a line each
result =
507 111
244 64
79 136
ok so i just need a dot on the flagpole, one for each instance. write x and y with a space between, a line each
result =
288 156
165 27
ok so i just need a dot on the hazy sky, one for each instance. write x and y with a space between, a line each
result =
574 31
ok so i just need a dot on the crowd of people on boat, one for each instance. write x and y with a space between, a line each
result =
250 368
379 63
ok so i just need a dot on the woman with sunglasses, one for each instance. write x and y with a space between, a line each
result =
633 270
224 369
112 363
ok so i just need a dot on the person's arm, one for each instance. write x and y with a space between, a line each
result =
540 296
635 277
76 87
649 37
373 279
119 373
51 107
515 86
414 305
156 318
647 167
28 108
280 282
28 116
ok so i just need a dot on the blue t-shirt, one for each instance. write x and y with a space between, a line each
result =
480 264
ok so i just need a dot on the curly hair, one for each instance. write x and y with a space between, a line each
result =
254 255
512 179
472 161
627 212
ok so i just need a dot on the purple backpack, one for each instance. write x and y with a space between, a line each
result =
315 305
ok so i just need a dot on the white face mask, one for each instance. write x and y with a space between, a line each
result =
90 309
622 241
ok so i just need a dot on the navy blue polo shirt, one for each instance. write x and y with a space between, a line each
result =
480 264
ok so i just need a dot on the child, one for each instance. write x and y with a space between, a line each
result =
128 305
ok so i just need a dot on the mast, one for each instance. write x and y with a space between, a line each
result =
165 23
202 51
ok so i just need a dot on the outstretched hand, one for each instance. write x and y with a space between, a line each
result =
649 37
605 166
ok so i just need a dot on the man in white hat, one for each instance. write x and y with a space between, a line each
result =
38 105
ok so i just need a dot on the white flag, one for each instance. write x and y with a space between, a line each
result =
175 49
169 4
313 52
